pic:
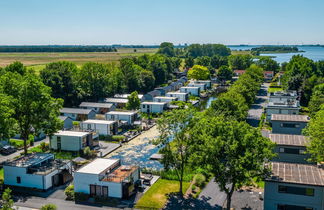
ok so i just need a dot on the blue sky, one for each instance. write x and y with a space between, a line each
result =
154 21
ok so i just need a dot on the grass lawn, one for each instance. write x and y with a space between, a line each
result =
260 184
1 174
65 155
156 196
272 90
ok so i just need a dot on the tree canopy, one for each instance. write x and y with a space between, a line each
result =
234 152
133 101
198 72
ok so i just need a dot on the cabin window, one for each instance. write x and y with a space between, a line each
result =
296 190
89 126
292 207
104 191
289 125
18 179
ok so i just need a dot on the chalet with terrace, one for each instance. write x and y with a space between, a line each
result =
290 95
106 178
77 114
117 102
125 96
40 171
102 127
290 148
288 124
195 91
153 107
288 107
99 108
181 96
122 117
294 187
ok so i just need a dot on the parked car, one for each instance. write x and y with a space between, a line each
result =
7 150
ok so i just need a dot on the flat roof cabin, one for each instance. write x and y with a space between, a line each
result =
288 124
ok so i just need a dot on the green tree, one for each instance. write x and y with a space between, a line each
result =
234 152
60 76
317 99
49 207
35 111
131 73
7 202
7 121
189 62
229 105
166 48
133 101
203 61
315 131
147 81
218 61
159 68
198 72
268 64
240 62
224 73
176 153
17 67
93 81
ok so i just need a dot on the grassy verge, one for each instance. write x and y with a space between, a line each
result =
156 196
259 184
1 174
272 90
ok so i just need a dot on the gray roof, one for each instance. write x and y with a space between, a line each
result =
63 118
76 111
116 100
99 105
154 93
289 140
290 117
30 159
297 173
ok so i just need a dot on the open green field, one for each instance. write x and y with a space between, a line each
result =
39 60
156 196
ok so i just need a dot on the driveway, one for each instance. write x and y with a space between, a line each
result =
4 158
256 109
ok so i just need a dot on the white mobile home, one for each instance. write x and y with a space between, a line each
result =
202 86
166 99
207 82
129 116
102 127
125 96
195 91
153 107
117 102
282 107
37 171
73 140
106 178
180 96
99 108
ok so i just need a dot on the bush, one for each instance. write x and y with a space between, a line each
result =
69 192
49 207
118 138
193 188
78 196
200 180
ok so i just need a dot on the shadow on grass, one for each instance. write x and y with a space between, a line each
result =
176 202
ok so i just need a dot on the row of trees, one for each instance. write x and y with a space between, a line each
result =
94 81
58 48
303 74
237 100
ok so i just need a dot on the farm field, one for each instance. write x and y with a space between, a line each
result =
39 60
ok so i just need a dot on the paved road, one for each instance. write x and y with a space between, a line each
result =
4 158
212 195
256 109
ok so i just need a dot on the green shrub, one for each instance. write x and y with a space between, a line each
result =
200 180
118 138
49 207
69 192
193 188
79 196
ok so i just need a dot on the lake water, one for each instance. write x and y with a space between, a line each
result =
315 53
